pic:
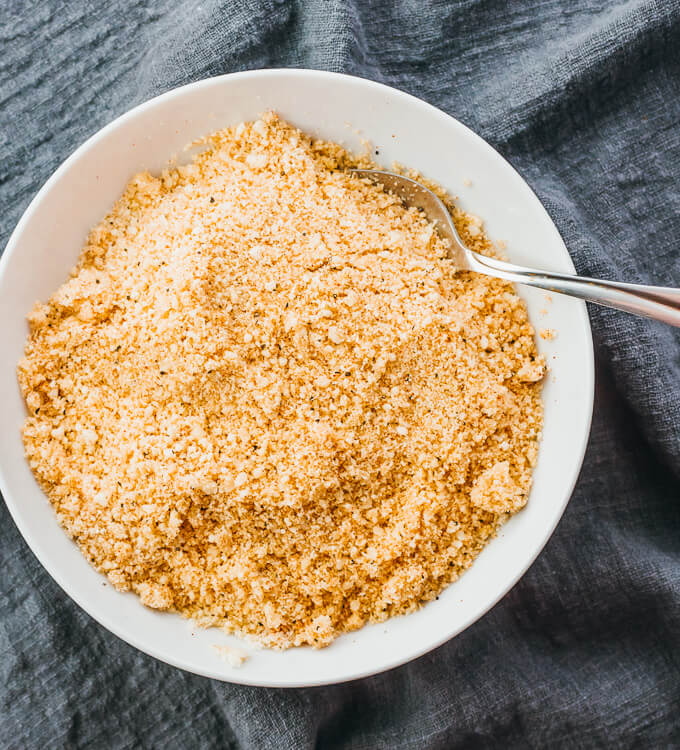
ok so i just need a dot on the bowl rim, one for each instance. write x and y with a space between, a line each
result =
241 676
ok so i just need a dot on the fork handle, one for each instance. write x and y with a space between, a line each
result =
658 302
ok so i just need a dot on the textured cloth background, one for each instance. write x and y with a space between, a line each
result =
583 98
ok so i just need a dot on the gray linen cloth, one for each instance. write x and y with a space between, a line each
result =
583 98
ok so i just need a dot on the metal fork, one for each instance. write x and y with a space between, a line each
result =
658 302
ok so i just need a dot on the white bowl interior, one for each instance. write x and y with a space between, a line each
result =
46 244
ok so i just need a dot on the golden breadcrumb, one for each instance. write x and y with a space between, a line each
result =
266 401
235 657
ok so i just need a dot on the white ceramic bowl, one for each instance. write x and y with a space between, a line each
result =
47 241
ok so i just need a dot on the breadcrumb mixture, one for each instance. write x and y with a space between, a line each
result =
264 400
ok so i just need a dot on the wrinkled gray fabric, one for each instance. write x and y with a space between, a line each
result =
583 98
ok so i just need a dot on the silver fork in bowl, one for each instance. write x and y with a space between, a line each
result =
658 302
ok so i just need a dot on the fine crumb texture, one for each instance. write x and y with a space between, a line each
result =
496 491
548 334
266 401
